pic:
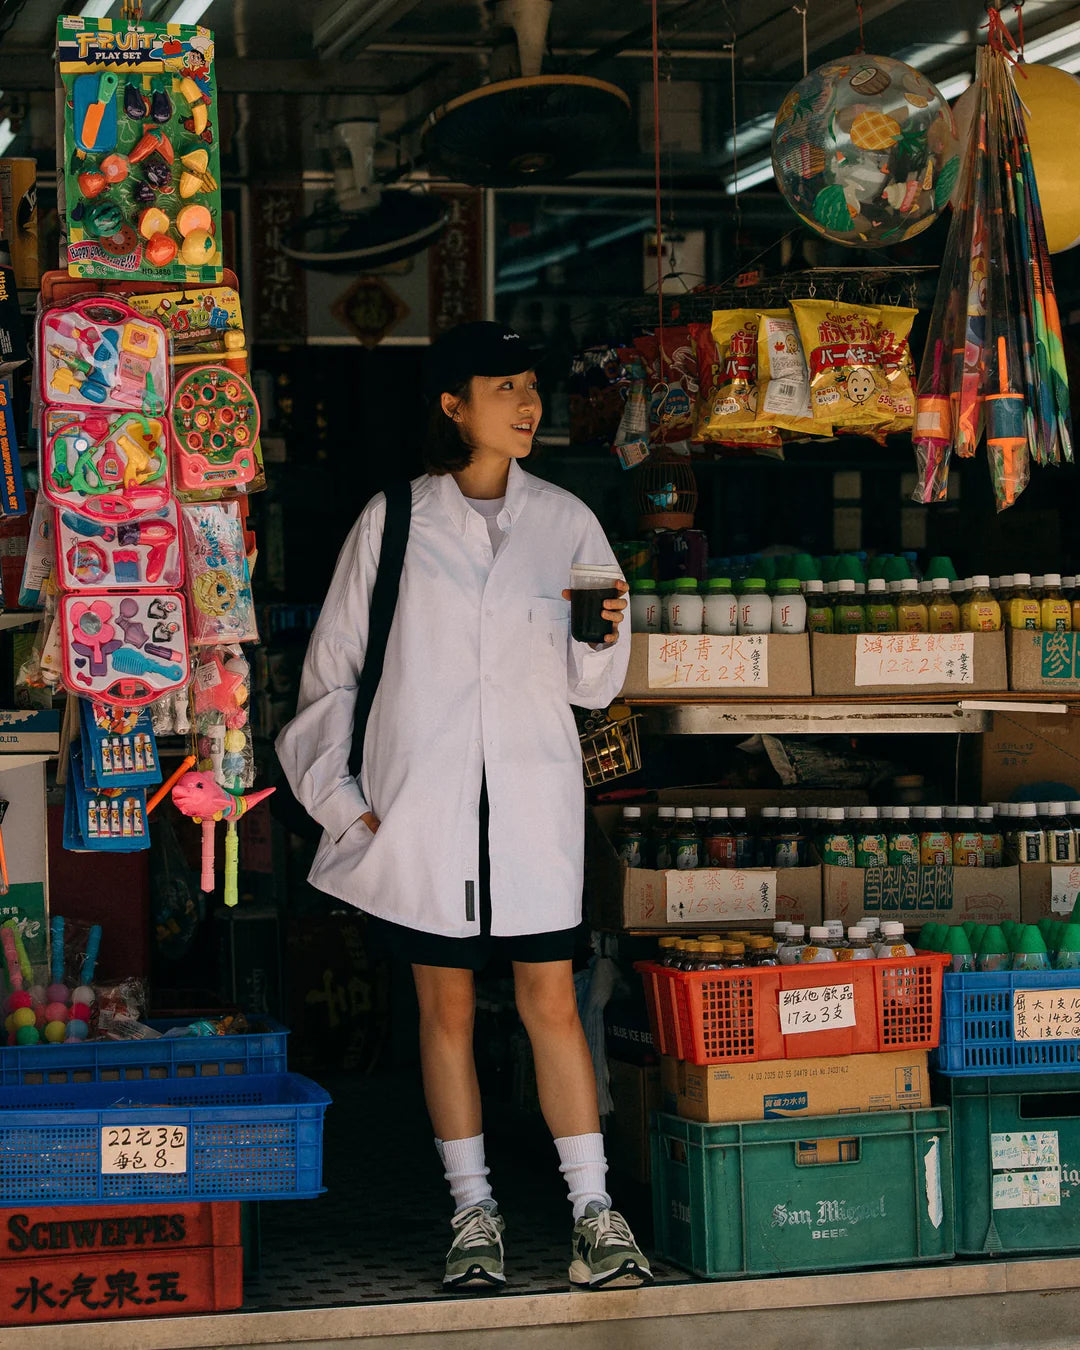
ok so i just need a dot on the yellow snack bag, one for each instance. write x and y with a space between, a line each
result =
783 384
897 367
840 342
734 405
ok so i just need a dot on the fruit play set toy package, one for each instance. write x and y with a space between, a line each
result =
140 150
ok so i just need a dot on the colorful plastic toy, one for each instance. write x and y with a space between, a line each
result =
198 796
214 420
127 555
102 353
124 649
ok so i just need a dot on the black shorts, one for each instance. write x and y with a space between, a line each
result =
473 953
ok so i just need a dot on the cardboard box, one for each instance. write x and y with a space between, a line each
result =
620 897
1031 751
627 1031
1048 890
671 666
916 655
791 1088
635 1094
19 219
918 895
1043 663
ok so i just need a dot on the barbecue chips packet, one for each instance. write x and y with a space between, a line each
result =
710 426
674 383
841 346
897 368
783 383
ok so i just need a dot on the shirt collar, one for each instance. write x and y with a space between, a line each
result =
459 510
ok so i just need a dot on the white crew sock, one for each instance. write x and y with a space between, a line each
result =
463 1160
582 1163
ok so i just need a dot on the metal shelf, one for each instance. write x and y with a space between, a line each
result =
731 718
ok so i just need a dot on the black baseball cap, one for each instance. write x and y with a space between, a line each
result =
481 348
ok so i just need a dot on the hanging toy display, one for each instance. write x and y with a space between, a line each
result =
993 362
864 150
198 796
140 150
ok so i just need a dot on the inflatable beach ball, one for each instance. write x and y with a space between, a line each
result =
865 151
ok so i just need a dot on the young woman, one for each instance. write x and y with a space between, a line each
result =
464 836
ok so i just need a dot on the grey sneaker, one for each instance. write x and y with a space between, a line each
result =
475 1258
604 1252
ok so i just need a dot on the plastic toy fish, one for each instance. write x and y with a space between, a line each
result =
198 796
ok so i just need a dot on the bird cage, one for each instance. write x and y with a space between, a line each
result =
667 495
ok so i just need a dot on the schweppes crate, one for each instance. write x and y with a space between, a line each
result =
80 1264
776 1196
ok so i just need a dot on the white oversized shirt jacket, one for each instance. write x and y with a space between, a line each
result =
480 671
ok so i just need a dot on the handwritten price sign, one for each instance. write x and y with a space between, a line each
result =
708 662
1064 888
709 894
825 1008
1046 1015
144 1148
914 658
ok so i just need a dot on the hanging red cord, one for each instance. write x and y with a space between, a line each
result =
999 39
656 175
862 40
1018 5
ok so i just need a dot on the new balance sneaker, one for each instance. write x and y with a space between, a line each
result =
604 1253
475 1258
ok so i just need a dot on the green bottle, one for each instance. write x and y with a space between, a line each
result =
1030 951
848 613
1068 948
959 948
838 842
880 609
819 615
939 568
994 954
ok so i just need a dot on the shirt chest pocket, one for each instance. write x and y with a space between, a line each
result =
549 633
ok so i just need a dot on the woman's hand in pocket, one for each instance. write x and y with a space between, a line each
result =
371 821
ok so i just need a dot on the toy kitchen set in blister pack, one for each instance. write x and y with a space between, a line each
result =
148 435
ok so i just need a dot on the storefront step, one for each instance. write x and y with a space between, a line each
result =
1001 1304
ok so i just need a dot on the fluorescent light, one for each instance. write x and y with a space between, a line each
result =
6 135
759 172
96 9
1059 41
1070 63
189 11
949 89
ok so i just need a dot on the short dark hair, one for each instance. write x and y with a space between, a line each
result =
445 450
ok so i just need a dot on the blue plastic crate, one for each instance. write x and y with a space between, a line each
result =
977 1025
263 1051
251 1137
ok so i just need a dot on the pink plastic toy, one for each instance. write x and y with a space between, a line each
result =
198 796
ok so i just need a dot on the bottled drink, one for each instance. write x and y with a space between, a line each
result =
630 837
661 838
766 838
992 842
1024 610
665 590
1055 611
935 843
1074 820
790 953
837 841
958 947
880 610
871 842
903 847
1030 838
943 612
701 824
967 849
690 954
788 607
789 849
735 953
720 841
893 945
761 952
819 615
1030 953
755 607
835 930
744 840
848 613
993 954
685 841
857 947
1060 840
721 609
644 607
817 949
780 931
1068 948
685 609
712 955
911 615
668 947
984 612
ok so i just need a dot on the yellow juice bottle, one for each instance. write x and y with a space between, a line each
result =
984 612
1003 594
944 613
1024 609
1055 610
911 615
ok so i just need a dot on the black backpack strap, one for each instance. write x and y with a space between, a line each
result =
381 616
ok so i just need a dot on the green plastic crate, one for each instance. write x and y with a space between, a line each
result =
1016 1161
835 1193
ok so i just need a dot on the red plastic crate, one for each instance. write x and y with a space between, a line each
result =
54 1231
112 1283
732 1016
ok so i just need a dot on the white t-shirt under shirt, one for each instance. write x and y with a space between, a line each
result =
489 509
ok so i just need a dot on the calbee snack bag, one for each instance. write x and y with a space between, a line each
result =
841 346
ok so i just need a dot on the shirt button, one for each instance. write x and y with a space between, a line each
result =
489 612
487 679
